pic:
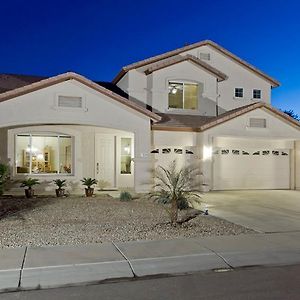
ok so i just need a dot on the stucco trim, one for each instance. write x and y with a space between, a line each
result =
74 76
210 43
178 59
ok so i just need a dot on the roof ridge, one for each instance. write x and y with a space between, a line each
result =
174 52
72 75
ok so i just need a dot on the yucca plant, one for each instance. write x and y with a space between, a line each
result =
60 183
176 188
28 184
89 182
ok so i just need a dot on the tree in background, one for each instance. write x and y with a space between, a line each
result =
292 114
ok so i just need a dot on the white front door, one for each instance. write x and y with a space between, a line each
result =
105 167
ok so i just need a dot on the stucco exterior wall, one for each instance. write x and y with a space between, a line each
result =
152 89
236 133
238 76
40 107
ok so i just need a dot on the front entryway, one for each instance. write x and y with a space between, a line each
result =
105 158
251 168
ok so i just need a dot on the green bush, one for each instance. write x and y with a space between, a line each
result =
3 176
125 196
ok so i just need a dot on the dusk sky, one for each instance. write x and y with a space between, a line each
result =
97 38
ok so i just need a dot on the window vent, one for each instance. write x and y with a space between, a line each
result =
258 123
70 102
204 56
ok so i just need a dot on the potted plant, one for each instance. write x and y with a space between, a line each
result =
29 183
89 182
60 192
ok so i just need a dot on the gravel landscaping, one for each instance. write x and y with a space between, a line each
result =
80 220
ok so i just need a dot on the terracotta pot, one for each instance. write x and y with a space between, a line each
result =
89 192
29 193
60 192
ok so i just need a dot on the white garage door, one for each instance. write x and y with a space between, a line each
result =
251 169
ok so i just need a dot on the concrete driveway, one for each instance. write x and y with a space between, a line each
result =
264 211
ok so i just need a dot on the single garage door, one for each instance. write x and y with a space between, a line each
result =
251 169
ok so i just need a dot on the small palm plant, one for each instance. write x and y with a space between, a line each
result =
60 183
89 182
177 188
28 184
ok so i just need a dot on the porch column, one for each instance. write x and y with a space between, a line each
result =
143 178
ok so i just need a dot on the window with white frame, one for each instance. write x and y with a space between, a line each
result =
126 155
238 92
256 94
43 154
183 95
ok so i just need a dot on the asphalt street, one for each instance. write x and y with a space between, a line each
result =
253 283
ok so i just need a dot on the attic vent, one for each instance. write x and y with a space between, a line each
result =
258 123
67 101
204 56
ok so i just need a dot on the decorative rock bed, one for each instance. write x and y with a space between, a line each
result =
79 220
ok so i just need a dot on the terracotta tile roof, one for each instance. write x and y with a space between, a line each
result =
174 122
212 44
178 58
42 83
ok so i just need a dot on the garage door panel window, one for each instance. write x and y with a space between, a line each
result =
284 153
236 152
256 153
266 152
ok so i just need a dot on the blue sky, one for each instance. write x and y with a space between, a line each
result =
96 38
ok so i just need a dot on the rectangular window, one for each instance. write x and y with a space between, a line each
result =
183 95
256 94
43 154
238 92
126 154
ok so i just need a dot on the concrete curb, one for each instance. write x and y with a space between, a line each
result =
53 267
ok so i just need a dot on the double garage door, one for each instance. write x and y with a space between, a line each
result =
251 169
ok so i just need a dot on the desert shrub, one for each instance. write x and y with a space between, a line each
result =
4 172
125 196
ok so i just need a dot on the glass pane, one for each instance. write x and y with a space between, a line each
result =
190 96
22 154
126 155
175 95
44 153
65 154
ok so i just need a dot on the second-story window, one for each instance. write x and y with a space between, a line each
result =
256 94
183 95
238 92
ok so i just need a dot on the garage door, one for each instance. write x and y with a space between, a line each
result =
251 169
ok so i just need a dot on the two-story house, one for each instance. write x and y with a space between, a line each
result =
199 105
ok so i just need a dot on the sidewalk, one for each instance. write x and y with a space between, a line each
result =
49 267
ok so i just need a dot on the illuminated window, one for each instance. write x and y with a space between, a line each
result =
126 154
43 154
183 95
